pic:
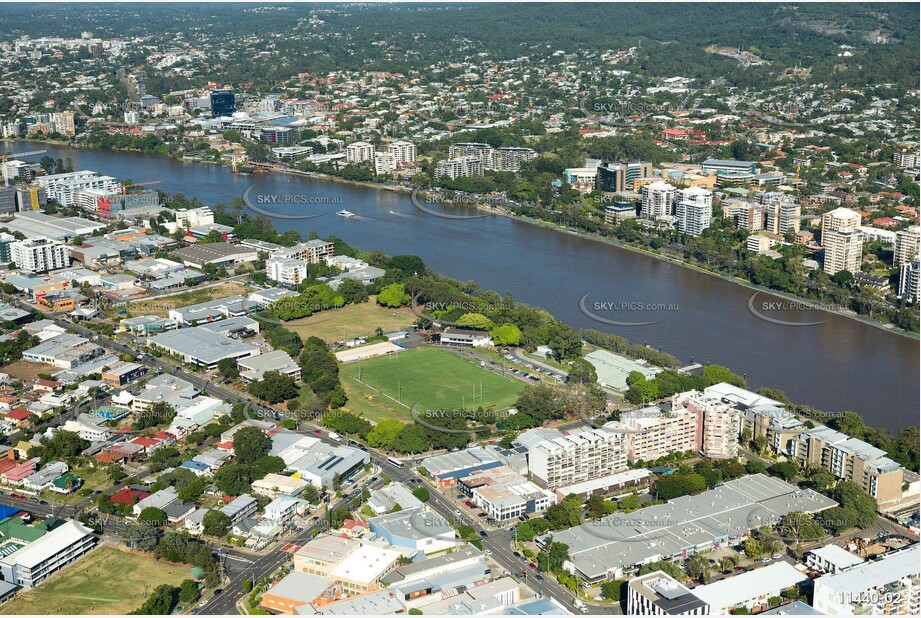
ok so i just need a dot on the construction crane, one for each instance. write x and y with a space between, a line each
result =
7 155
126 185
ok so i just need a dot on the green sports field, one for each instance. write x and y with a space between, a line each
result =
435 378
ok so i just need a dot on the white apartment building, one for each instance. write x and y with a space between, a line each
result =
384 163
652 432
719 424
484 152
510 158
194 217
909 275
577 457
843 250
907 245
462 167
694 210
39 255
402 151
286 271
313 251
63 187
657 200
359 152
757 243
63 122
906 160
841 220
889 586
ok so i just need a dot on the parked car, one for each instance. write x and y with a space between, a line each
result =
460 496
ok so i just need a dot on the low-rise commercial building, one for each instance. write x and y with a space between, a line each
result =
201 346
417 529
831 559
614 545
751 590
659 594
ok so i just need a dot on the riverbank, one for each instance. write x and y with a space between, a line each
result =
812 304
407 190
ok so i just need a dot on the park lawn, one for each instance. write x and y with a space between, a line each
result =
434 377
352 321
162 305
106 581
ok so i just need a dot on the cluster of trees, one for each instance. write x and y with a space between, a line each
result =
281 338
160 413
63 445
903 448
856 508
320 371
347 424
251 462
311 299
392 435
704 474
540 403
12 349
189 486
274 387
667 383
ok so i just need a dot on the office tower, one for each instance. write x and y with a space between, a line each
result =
616 177
223 103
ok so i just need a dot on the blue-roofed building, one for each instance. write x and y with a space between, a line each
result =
447 468
198 468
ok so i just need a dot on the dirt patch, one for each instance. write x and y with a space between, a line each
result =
26 371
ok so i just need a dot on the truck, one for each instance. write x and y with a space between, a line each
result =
335 436
580 605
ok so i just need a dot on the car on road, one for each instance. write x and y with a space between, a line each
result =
777 556
531 565
218 591
765 559
488 552
516 554
203 603
482 533
457 513
539 577
318 432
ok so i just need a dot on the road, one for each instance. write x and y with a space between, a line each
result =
240 567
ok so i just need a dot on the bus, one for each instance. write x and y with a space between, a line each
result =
396 462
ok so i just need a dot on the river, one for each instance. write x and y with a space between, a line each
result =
826 361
